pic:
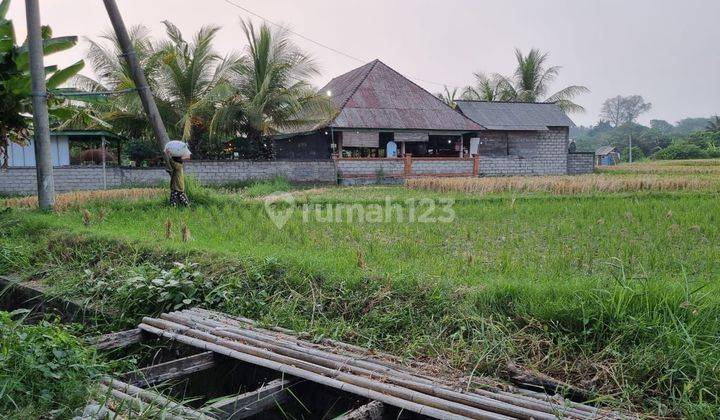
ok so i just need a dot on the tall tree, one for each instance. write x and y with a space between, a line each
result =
532 79
448 96
662 126
714 124
192 79
690 125
486 88
15 82
112 76
624 109
270 91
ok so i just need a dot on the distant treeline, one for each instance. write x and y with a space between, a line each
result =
690 138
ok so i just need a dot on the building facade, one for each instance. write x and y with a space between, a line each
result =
521 138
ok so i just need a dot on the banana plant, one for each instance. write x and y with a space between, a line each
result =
15 81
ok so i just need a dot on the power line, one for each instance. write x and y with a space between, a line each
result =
320 44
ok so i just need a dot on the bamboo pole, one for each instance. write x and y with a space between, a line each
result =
336 373
544 406
304 374
290 333
152 397
344 363
535 402
350 349
359 360
134 402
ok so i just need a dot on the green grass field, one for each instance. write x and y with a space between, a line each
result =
616 293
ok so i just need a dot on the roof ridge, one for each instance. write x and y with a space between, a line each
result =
430 93
505 102
371 65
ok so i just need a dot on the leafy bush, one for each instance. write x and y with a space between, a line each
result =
45 369
143 152
151 289
682 150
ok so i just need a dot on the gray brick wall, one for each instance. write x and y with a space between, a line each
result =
531 153
581 163
445 167
369 168
74 178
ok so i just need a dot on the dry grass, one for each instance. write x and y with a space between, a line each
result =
679 167
64 201
564 184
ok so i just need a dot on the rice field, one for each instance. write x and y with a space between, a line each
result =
669 167
606 281
567 185
65 201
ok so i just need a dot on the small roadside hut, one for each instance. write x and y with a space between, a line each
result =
607 156
64 145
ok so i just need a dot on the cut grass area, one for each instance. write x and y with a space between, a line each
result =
666 167
569 185
615 293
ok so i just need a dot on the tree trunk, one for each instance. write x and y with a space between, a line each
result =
4 155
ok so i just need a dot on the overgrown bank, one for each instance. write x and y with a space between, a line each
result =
642 342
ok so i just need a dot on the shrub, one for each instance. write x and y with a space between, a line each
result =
151 289
682 150
45 369
143 152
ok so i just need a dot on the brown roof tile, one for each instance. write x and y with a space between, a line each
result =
374 96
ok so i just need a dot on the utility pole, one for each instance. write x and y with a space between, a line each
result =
630 149
41 125
141 84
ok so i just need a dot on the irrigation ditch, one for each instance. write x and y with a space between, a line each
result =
203 364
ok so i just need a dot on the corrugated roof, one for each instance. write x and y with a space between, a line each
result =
88 134
375 96
515 116
604 150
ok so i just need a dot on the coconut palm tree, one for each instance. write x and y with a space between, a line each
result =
15 82
112 75
532 79
270 94
191 80
486 88
448 96
714 124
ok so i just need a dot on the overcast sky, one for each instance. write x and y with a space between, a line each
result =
665 50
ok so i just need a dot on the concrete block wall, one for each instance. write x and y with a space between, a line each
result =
531 153
370 168
22 181
581 163
506 166
458 167
222 172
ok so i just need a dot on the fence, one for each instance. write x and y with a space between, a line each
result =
20 181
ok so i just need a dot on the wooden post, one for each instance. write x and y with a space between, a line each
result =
476 165
104 163
43 154
402 148
408 164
